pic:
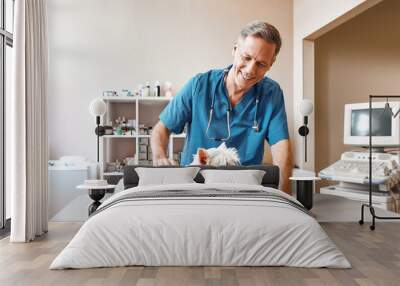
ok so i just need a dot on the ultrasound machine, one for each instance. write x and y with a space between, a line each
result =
352 170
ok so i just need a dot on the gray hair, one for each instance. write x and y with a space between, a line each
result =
264 31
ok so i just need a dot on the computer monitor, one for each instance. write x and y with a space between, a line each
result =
385 127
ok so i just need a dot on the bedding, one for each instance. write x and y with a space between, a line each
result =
248 177
201 225
162 176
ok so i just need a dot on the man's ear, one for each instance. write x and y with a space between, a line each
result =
234 48
273 61
202 156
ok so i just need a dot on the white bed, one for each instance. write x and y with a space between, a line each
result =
185 230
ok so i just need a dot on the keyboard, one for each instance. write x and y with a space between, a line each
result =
354 167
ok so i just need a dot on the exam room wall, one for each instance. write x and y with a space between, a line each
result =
358 58
95 45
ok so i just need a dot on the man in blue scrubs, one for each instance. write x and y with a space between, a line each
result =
247 108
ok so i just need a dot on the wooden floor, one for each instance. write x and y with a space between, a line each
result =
374 255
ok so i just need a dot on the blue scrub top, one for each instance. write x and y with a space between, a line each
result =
192 104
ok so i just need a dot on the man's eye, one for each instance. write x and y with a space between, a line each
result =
245 58
261 65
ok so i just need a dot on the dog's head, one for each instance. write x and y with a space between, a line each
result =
220 156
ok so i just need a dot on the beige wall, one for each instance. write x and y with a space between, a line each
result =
97 45
359 58
312 18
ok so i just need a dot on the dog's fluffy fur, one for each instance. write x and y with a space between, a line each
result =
220 156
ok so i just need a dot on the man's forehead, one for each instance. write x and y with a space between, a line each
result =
257 45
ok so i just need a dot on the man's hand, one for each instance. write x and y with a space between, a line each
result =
283 158
163 162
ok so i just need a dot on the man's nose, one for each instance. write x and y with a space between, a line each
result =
250 69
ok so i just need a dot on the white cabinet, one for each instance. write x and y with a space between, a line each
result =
145 111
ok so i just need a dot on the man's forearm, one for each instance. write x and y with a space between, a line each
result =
159 142
283 158
285 172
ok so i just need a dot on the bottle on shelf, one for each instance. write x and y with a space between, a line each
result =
157 89
168 89
146 90
139 91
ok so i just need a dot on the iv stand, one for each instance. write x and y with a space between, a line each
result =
369 205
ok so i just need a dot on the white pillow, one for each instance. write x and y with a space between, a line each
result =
248 177
166 176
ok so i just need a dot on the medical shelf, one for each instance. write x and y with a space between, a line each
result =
145 110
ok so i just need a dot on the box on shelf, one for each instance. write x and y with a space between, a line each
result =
144 141
143 156
143 148
146 162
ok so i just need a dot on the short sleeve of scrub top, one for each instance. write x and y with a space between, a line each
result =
179 110
278 128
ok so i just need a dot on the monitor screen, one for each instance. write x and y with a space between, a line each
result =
381 122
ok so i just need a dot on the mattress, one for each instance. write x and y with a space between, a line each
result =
201 225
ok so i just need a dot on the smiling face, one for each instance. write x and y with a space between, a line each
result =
252 58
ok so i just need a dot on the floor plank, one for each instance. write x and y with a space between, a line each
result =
374 255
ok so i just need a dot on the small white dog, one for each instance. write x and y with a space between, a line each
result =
220 156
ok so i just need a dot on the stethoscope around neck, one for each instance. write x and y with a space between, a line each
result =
255 126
